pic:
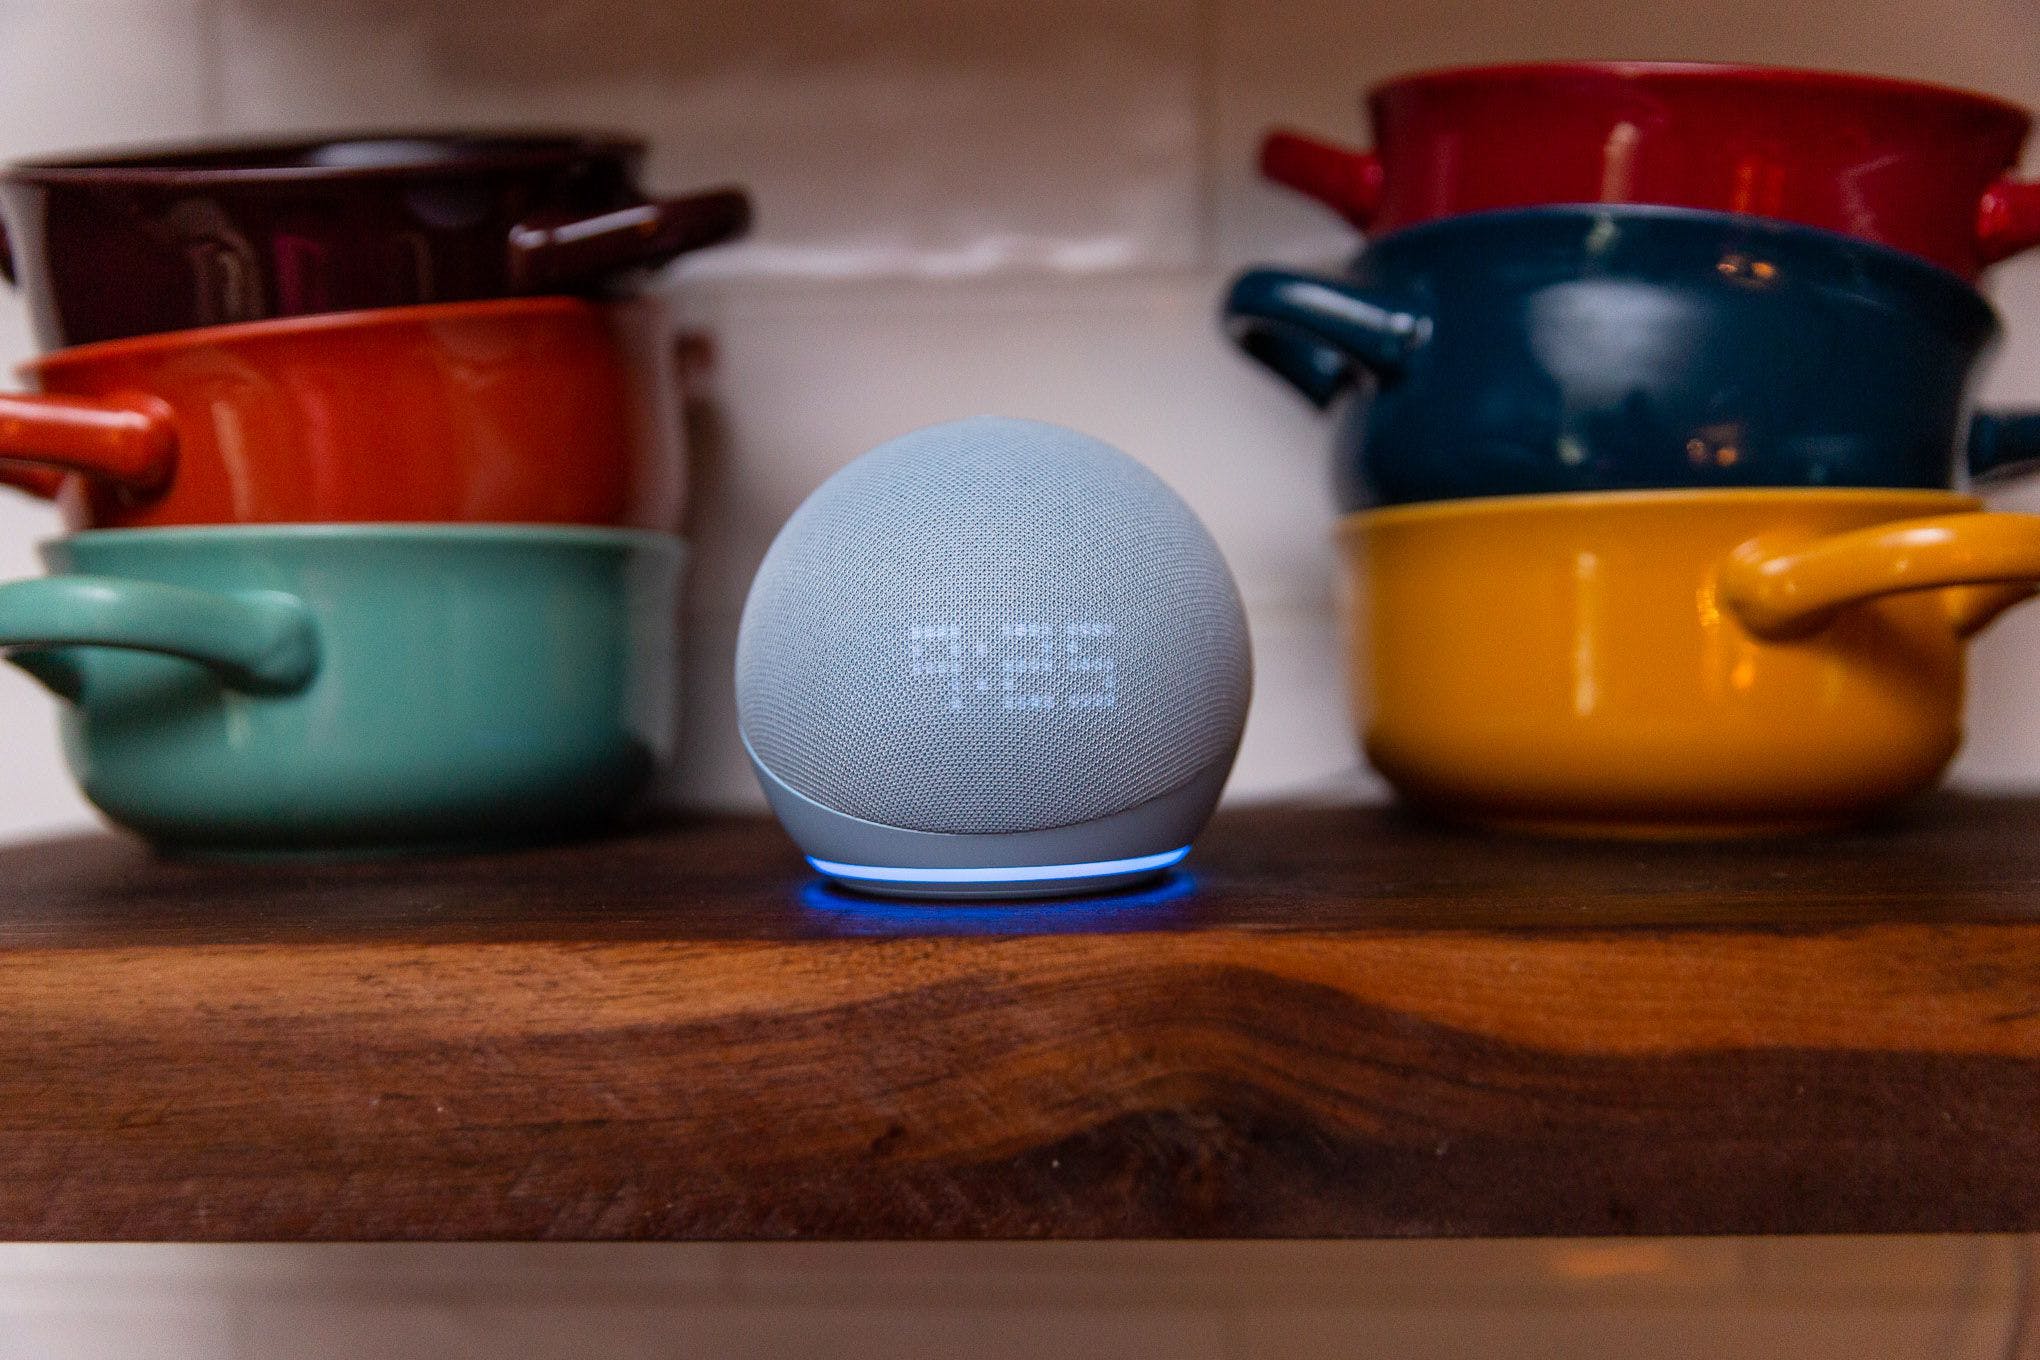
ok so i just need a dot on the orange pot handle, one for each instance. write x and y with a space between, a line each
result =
43 483
1781 593
130 441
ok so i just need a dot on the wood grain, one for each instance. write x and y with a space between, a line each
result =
1342 1022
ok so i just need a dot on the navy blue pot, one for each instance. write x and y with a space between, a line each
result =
1620 348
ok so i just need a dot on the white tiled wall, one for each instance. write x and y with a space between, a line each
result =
1022 206
78 72
1844 1299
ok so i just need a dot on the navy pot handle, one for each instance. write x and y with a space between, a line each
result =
1311 329
2003 444
1310 366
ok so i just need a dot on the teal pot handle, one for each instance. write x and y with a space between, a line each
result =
260 641
2004 444
1311 329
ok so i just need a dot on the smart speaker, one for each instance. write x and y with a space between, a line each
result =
993 658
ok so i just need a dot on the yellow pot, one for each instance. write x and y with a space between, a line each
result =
1667 663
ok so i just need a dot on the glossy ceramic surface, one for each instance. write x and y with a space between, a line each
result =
355 689
1672 663
511 411
1586 349
1921 168
145 242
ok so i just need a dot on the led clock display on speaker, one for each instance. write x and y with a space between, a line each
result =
992 667
989 659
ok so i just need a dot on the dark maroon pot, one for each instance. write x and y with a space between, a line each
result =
138 243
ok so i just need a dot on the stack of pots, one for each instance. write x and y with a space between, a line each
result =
1655 436
366 548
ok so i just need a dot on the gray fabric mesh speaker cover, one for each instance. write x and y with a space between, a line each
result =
992 626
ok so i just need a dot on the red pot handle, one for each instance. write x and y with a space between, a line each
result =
563 252
1344 180
130 441
2008 220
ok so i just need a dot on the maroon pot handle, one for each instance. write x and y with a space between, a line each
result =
563 252
2008 220
1344 180
130 441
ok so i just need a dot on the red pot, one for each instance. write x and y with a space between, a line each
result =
1919 167
512 411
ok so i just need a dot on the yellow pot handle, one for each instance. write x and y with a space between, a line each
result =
1781 593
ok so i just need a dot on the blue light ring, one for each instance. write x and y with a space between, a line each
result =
1034 873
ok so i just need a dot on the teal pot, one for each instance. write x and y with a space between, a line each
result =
355 688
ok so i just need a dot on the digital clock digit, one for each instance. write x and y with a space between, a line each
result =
1017 667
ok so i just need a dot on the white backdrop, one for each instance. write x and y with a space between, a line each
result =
1002 206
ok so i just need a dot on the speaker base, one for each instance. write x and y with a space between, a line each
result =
1109 854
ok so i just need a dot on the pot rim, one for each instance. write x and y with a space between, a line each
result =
1912 270
1702 72
369 532
1911 501
290 327
206 163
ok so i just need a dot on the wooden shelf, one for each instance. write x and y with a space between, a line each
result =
1341 1023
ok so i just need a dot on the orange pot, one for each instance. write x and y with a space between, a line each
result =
1668 663
515 411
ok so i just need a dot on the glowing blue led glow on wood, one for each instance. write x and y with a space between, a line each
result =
1033 873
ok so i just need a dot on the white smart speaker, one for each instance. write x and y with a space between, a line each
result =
993 658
